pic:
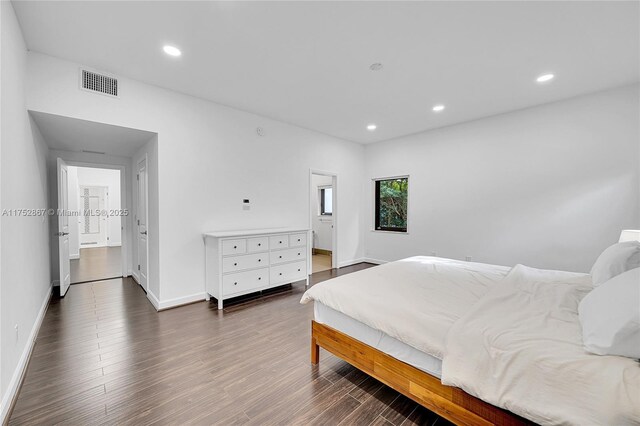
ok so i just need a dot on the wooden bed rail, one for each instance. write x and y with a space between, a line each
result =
452 403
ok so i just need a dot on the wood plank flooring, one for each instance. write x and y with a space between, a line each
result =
96 263
105 356
320 262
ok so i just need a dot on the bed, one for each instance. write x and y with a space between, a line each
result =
445 334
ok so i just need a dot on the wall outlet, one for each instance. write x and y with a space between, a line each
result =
433 253
17 332
468 258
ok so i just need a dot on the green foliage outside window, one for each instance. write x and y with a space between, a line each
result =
391 204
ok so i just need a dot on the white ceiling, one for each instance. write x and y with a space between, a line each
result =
307 63
71 134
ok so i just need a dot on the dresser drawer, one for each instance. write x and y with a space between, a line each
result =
234 247
288 255
278 242
248 261
257 244
296 240
288 273
244 281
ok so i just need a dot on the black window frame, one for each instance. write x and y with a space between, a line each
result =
376 196
322 202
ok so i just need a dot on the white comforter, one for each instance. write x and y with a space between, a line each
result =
508 336
440 291
520 348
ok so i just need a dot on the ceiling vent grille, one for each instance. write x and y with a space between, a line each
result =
99 83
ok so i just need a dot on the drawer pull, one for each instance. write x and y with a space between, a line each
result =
280 273
298 239
235 247
280 257
298 269
259 260
259 244
235 264
236 283
259 278
280 242
298 254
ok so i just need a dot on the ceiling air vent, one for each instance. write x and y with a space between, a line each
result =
99 83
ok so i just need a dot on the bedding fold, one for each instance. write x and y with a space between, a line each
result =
414 300
520 348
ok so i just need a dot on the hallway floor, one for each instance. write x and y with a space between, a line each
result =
96 263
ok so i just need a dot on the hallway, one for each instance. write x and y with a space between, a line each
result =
96 263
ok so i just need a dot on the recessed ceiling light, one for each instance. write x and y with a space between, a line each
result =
171 50
544 78
438 108
371 127
376 67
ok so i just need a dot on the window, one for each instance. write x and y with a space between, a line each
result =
391 204
326 201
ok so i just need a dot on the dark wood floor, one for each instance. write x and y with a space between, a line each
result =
96 263
105 356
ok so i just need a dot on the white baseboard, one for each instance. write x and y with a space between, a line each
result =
350 262
18 373
376 261
74 256
161 305
178 301
114 244
361 260
153 299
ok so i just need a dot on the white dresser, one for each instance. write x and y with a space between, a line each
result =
242 262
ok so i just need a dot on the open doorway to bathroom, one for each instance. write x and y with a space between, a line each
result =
323 217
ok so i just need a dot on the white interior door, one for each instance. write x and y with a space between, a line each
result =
63 227
93 226
142 241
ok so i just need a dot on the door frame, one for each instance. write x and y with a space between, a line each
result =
334 215
146 219
124 231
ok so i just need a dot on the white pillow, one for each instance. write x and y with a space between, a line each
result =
610 316
615 260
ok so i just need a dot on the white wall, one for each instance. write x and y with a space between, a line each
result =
25 281
209 159
89 176
322 230
549 187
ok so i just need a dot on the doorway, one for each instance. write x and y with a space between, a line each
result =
323 197
95 232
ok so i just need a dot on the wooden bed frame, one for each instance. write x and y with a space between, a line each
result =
452 403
